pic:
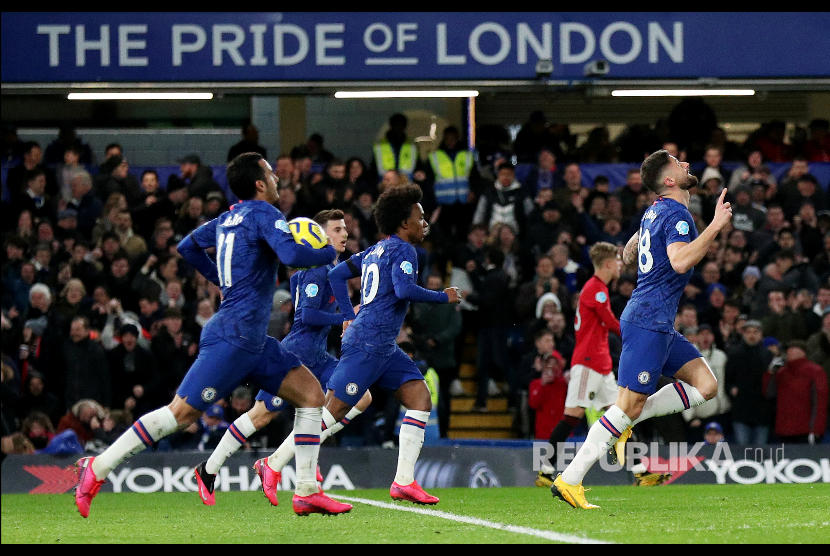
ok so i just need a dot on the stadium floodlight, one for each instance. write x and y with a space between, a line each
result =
135 95
681 92
405 94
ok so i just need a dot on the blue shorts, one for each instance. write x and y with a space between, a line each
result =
222 366
323 372
359 369
647 354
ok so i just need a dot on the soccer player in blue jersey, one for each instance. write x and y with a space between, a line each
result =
249 240
315 312
369 352
667 248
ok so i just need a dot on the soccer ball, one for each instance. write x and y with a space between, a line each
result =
308 232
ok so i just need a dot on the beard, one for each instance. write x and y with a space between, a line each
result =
690 182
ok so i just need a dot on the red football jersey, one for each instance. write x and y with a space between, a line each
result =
594 319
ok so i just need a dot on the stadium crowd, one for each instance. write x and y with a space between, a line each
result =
101 317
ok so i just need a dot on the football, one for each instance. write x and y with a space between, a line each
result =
308 232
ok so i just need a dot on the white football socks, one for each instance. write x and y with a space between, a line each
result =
146 431
233 439
671 398
601 436
306 448
410 441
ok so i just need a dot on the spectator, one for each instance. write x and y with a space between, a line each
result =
135 376
38 428
503 201
546 394
249 143
745 216
152 205
718 407
534 135
132 243
32 196
119 180
752 413
86 368
817 147
66 140
807 189
17 177
435 329
84 418
628 193
801 393
198 179
543 175
491 284
84 201
544 223
713 433
69 165
782 322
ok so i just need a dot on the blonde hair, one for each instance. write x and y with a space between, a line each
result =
601 252
73 282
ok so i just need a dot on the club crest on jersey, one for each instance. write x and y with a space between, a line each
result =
643 377
208 394
601 297
311 290
406 266
233 220
282 226
682 228
351 388
276 401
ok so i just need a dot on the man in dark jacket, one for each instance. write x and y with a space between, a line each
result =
491 293
198 178
752 413
435 328
87 371
135 376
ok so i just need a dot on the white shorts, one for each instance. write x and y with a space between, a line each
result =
588 388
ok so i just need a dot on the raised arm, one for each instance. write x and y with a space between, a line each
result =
684 256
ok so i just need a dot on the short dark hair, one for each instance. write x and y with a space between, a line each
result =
243 172
34 173
394 207
652 169
149 171
324 216
785 254
542 332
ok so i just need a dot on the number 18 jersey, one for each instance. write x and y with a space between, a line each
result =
653 304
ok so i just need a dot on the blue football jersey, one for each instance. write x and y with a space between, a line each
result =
653 304
250 240
314 314
388 283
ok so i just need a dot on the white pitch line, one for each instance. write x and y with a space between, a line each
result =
549 535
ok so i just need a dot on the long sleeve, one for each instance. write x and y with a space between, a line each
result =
338 276
404 271
316 317
198 258
276 233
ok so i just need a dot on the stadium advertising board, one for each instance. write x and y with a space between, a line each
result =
347 469
72 47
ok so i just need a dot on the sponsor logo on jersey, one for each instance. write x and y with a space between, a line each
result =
233 220
406 266
282 226
682 228
601 297
643 377
351 388
311 290
208 394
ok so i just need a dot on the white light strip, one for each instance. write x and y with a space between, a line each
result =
140 96
682 92
405 94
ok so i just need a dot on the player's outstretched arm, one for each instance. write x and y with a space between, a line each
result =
684 256
192 249
276 233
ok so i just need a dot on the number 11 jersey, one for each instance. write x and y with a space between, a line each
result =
653 304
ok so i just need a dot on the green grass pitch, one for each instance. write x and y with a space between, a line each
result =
777 513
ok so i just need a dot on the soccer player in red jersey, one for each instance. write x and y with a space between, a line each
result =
591 384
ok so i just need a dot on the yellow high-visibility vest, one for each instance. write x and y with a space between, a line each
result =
452 177
386 160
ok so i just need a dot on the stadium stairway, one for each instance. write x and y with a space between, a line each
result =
465 422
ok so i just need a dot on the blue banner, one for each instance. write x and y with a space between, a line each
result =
44 47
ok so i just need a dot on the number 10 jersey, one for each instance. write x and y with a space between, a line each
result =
653 304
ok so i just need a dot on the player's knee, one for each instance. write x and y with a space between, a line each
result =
311 398
709 388
183 412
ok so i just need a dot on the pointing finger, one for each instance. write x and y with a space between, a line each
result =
722 195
